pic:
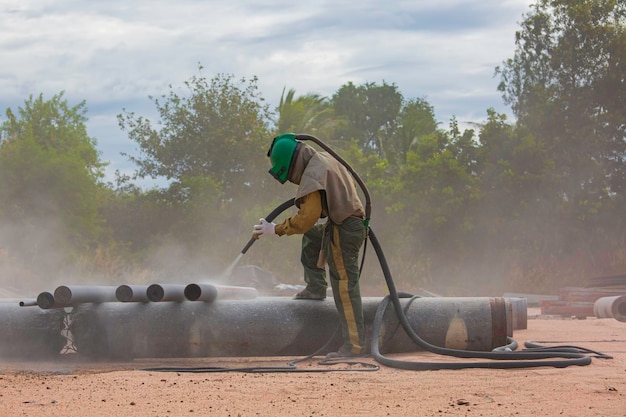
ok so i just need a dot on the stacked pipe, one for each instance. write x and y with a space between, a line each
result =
73 295
39 333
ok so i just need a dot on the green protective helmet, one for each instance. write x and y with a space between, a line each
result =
282 152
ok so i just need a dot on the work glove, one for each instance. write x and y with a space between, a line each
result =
263 229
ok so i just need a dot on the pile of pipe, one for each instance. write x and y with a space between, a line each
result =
210 320
73 295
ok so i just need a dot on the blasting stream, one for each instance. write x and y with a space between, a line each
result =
229 270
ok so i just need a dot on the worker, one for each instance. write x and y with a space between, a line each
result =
325 190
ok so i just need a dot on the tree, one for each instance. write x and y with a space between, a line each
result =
49 180
211 145
55 127
372 113
416 120
311 114
566 86
219 130
514 213
435 188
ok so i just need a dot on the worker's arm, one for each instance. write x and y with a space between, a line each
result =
308 214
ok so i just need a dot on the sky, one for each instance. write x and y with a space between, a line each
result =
115 54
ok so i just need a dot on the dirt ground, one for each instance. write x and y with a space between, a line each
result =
71 388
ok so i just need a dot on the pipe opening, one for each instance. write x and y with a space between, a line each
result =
192 292
63 294
124 293
45 300
155 292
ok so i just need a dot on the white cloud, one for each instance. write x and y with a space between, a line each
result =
115 54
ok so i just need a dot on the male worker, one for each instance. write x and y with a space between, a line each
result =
325 189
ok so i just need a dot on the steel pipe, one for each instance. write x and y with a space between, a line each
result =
211 292
79 294
31 302
166 292
132 293
611 307
45 301
275 326
517 310
467 323
200 292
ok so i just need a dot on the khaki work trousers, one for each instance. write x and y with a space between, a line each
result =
340 246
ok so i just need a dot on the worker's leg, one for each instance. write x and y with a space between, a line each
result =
342 255
314 276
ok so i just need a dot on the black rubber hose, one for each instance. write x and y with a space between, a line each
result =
512 359
271 216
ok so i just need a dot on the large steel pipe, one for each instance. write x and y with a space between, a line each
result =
467 323
211 292
30 333
276 326
611 307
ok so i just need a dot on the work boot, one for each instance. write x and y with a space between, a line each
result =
305 294
344 352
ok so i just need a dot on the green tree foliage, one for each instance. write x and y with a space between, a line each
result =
372 113
49 178
511 215
566 85
434 190
210 145
415 121
216 131
138 219
310 113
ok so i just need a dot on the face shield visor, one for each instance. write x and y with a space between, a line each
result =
282 152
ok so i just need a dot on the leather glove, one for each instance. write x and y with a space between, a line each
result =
263 229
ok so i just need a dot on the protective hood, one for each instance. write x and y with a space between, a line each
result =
319 171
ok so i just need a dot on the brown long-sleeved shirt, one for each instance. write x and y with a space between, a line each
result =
309 212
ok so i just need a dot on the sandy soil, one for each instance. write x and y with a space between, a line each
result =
71 388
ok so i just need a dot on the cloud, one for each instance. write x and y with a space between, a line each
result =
115 54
